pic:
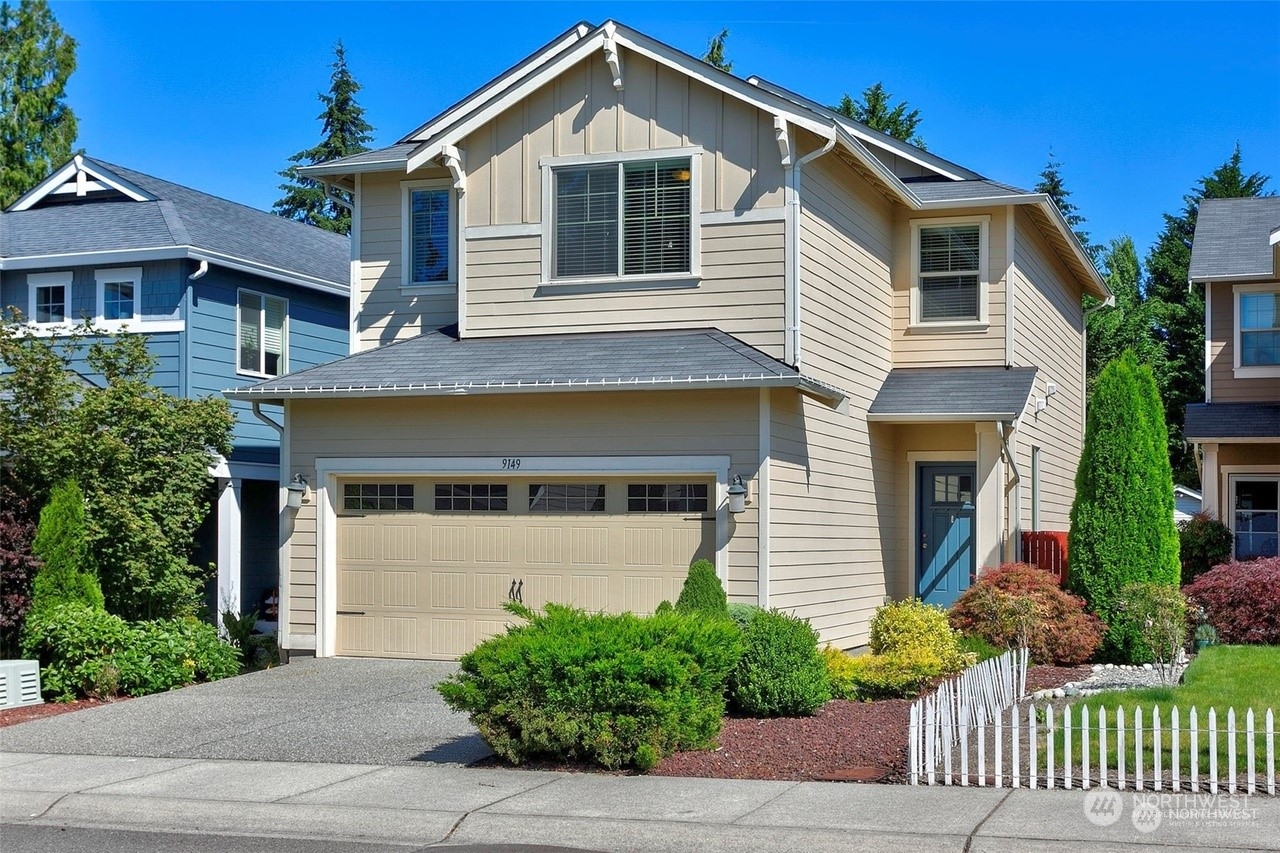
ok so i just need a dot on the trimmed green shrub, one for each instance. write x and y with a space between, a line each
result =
840 672
702 591
613 690
664 606
1203 542
1122 529
85 651
1241 601
905 626
894 675
742 614
63 548
781 673
1021 605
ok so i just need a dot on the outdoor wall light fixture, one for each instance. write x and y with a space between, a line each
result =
737 495
299 492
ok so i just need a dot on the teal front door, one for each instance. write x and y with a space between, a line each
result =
944 531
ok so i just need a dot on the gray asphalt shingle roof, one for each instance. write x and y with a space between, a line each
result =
1232 420
1233 237
940 392
439 362
180 217
932 190
397 153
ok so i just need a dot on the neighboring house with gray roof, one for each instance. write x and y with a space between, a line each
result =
618 310
1235 256
224 294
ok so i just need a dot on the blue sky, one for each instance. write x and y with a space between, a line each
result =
1138 100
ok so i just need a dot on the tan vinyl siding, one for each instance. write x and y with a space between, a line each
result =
1245 455
1225 387
831 519
589 424
740 292
386 311
924 347
1048 330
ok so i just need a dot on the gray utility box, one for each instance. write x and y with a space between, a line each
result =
19 683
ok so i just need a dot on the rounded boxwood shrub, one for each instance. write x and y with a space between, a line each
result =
702 591
1241 601
781 673
617 690
1019 604
742 614
1203 542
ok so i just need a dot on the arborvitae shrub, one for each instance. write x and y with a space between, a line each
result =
62 546
1203 542
1241 601
781 672
1122 529
1019 604
702 591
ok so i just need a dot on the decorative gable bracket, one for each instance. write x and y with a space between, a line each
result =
612 57
451 159
783 134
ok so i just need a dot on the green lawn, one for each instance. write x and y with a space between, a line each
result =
1221 677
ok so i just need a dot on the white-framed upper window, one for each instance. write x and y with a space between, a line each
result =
1257 330
119 295
1255 516
262 334
50 297
613 217
949 286
429 233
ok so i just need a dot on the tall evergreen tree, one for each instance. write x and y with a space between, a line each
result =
876 111
1051 184
37 128
1122 528
715 53
345 132
1130 324
1179 310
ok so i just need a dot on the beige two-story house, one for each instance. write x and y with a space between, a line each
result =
619 310
1235 256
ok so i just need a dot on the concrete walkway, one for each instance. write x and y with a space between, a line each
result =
429 804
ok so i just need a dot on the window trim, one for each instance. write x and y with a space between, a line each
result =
406 230
983 321
1260 371
37 280
548 165
284 335
1233 479
117 275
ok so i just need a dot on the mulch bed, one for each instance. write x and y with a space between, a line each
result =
13 716
1045 677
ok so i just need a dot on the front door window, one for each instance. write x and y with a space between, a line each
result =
1256 510
945 553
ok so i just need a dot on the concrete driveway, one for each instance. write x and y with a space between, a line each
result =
331 710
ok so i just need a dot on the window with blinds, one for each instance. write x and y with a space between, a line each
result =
262 333
950 272
623 219
430 236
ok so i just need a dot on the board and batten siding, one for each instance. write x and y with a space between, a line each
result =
638 423
1048 334
920 346
1225 387
831 473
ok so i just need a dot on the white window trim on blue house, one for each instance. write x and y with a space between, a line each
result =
37 281
134 323
261 372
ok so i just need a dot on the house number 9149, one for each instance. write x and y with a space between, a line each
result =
511 464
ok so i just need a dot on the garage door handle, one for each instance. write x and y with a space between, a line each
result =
520 592
516 593
351 613
511 593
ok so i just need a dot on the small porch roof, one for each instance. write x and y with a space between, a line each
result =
1249 422
940 394
440 363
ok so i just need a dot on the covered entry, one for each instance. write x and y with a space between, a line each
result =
424 564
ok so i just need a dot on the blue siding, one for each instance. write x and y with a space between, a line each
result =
162 286
317 334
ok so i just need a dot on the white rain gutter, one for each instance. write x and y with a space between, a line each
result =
792 353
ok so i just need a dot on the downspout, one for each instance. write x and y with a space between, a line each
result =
257 413
200 271
1014 485
791 179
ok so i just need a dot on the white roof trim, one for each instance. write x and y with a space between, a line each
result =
1275 236
937 417
358 168
79 170
1261 276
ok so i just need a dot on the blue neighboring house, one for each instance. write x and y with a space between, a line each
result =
225 295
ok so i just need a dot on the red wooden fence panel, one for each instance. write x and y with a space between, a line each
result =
1046 549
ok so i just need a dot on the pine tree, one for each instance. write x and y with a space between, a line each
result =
1051 184
1130 324
37 128
715 53
875 112
1179 310
345 132
1122 528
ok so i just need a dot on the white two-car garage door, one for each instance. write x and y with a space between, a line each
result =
425 564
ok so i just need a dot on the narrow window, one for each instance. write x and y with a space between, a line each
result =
950 272
587 222
430 235
1035 488
262 334
1259 329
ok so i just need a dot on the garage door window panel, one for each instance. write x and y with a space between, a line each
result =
667 497
566 497
378 497
471 497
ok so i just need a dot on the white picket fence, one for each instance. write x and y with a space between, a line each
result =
942 721
1040 748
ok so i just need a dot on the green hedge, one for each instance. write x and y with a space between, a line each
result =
613 690
781 672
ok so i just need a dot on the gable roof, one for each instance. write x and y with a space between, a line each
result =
156 219
441 363
940 394
434 140
1234 239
